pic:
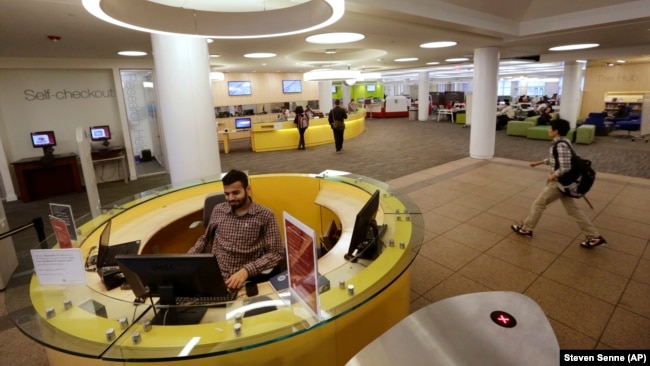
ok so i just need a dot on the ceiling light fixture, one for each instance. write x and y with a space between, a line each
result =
457 59
441 44
571 47
406 59
132 53
335 38
333 75
433 63
260 55
330 51
620 61
243 18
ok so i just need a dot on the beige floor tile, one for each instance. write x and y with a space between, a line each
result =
498 192
523 255
604 258
425 274
448 253
620 225
521 200
637 298
584 313
513 212
462 187
569 338
428 198
625 243
593 281
437 223
639 214
475 201
560 224
473 236
454 285
456 211
497 274
545 240
642 272
627 330
492 223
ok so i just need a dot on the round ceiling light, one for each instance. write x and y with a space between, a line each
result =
335 38
219 19
570 47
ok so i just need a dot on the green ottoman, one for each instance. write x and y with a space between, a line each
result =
541 133
519 128
586 134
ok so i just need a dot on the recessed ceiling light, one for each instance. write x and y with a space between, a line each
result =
433 63
260 55
406 59
132 53
330 51
457 59
335 38
215 55
582 61
620 61
570 47
209 40
441 44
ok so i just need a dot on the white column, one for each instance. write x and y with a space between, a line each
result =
570 100
186 109
423 96
325 96
345 92
484 101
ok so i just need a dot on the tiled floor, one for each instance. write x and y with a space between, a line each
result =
595 298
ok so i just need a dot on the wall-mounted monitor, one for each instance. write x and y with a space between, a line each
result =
291 86
242 123
43 139
100 133
371 87
333 89
237 88
361 100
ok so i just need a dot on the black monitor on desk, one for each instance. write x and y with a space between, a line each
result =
45 140
364 242
170 276
101 133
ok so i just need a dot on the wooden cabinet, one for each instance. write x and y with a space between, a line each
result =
38 178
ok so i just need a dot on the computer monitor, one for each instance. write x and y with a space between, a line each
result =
243 123
170 276
45 140
365 234
370 87
100 133
291 86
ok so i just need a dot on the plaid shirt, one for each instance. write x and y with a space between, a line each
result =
563 156
251 241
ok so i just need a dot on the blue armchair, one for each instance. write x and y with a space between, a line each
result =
629 126
598 119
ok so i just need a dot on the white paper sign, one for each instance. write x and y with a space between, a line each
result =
58 266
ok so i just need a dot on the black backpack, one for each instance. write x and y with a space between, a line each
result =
577 181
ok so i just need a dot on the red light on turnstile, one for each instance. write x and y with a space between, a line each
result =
503 319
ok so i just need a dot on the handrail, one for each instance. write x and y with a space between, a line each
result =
37 224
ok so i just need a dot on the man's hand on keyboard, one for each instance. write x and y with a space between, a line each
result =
236 281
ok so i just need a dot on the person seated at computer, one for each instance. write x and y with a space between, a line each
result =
506 114
245 235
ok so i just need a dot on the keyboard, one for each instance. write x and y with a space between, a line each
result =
206 300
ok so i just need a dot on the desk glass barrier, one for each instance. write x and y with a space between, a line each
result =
88 321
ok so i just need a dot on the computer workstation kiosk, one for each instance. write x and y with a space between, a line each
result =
85 323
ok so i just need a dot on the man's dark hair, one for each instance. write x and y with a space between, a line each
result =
299 110
337 102
562 126
235 176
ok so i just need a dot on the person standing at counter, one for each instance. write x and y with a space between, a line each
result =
302 122
336 118
242 234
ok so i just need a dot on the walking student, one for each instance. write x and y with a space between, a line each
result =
336 118
302 123
558 131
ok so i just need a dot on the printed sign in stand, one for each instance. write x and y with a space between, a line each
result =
58 267
302 263
61 231
64 212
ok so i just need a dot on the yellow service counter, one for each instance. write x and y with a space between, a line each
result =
289 335
283 135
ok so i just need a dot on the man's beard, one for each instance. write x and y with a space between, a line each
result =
236 204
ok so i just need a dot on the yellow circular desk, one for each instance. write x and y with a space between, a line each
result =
288 336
